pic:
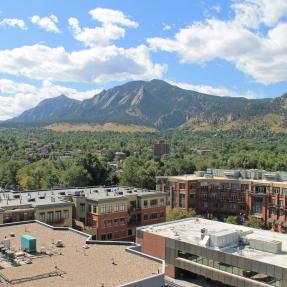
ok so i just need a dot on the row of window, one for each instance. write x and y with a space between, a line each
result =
153 216
115 222
224 205
54 216
153 203
114 235
231 269
234 187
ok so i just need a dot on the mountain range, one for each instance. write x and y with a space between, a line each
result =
160 105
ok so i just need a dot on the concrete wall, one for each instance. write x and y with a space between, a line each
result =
172 247
155 281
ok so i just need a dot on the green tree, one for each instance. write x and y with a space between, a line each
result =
255 223
178 213
75 176
232 219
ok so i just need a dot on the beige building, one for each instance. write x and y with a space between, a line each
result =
43 206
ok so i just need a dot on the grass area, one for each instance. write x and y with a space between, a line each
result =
274 123
107 127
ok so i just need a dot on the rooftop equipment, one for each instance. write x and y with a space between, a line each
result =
28 243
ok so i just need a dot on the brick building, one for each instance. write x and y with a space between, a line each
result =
220 193
114 213
107 213
161 148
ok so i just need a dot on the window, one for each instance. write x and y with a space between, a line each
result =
276 190
122 207
162 202
116 207
122 221
204 196
272 211
224 186
145 204
50 216
42 216
234 197
110 208
82 207
130 232
116 221
244 188
103 209
153 203
153 216
58 216
234 187
161 214
66 214
281 203
103 237
242 198
214 186
204 186
109 236
182 200
145 217
273 281
181 185
260 189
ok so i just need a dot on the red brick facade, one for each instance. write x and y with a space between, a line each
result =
154 245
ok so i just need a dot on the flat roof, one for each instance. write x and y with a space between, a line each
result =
189 231
110 265
189 177
50 197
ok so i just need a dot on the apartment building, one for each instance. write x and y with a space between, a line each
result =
41 205
113 213
224 253
161 148
107 213
220 193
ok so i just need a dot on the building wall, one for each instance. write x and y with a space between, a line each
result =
63 222
168 249
154 245
217 202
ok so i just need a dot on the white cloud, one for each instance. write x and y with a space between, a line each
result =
17 97
98 36
216 91
112 23
109 16
166 27
252 13
216 8
262 56
101 64
13 22
49 23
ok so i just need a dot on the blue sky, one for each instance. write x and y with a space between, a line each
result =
226 48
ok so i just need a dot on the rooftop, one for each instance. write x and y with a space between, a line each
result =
48 197
190 230
72 265
260 176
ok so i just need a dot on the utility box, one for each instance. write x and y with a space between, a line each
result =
28 243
